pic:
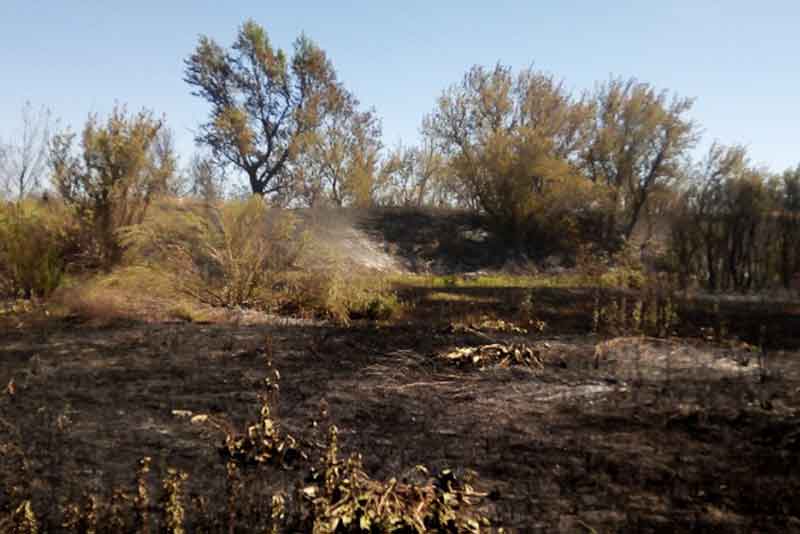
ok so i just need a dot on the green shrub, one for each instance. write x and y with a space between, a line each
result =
622 278
382 306
623 270
33 237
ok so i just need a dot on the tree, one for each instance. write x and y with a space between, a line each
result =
698 231
23 160
639 140
121 167
736 225
399 177
165 162
262 102
789 202
417 176
205 179
338 159
509 138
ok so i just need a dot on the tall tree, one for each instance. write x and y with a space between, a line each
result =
728 222
722 165
399 177
789 203
640 139
262 102
23 160
338 159
509 138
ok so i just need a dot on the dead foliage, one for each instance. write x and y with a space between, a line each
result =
343 498
262 442
495 325
499 354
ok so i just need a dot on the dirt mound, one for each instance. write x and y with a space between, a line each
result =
408 240
339 233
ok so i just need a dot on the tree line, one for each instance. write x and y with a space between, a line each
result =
550 169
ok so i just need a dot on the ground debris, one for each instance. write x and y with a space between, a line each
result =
500 354
487 324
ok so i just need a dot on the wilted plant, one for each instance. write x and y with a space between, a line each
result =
172 507
262 442
71 517
142 500
119 511
21 521
337 495
234 490
342 498
499 354
90 516
277 512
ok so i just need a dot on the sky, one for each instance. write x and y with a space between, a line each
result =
739 59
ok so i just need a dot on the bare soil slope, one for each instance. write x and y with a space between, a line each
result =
407 240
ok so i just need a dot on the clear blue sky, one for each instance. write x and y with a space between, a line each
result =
740 59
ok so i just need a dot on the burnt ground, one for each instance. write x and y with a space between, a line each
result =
612 433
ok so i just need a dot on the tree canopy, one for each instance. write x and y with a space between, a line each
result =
640 138
338 160
23 159
263 102
510 138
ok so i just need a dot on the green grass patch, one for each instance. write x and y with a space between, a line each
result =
494 280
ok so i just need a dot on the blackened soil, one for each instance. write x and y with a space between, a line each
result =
626 434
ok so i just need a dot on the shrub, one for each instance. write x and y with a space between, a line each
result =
623 270
225 256
382 306
33 241
566 216
110 181
333 294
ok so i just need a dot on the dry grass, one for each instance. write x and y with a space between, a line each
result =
126 293
34 239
